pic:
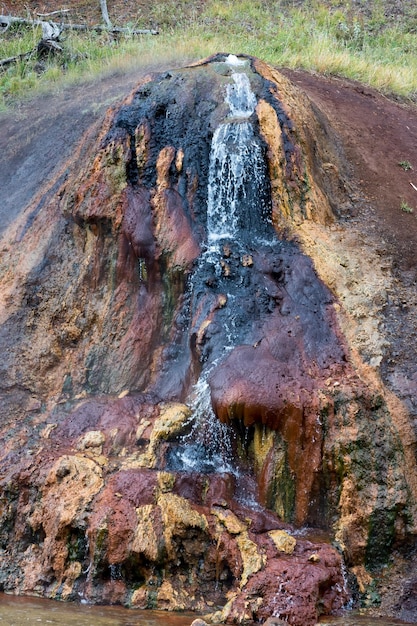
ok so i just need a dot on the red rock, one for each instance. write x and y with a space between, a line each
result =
112 315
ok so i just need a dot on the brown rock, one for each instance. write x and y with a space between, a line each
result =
109 318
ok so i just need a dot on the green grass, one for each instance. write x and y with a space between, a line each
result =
406 208
328 37
405 165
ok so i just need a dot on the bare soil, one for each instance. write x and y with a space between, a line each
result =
378 135
38 137
379 139
80 11
121 12
150 14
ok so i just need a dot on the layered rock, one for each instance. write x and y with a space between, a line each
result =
112 312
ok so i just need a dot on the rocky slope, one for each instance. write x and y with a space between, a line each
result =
111 313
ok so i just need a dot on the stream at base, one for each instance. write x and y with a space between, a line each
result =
19 611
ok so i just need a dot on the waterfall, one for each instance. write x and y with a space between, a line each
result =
236 208
236 168
239 96
235 160
208 447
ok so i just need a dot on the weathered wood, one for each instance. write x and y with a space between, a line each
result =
15 59
47 26
47 47
53 13
50 31
7 20
115 29
105 14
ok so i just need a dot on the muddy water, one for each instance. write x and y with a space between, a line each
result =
15 611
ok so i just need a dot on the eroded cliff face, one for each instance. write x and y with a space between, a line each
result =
121 304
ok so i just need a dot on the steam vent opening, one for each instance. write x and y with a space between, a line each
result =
188 424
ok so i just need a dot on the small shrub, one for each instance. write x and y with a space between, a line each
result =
406 208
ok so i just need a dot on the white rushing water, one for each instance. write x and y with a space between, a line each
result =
240 97
236 169
234 154
208 447
234 61
236 162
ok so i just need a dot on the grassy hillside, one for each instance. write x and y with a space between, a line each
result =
374 42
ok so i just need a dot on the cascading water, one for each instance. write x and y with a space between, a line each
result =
234 153
236 169
238 209
208 447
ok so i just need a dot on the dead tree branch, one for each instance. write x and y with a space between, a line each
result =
47 45
105 14
7 20
51 32
53 13
15 59
114 30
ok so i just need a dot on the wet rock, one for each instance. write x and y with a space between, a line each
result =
283 541
252 559
118 300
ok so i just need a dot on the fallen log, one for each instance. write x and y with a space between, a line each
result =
15 59
7 20
52 13
47 45
114 30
